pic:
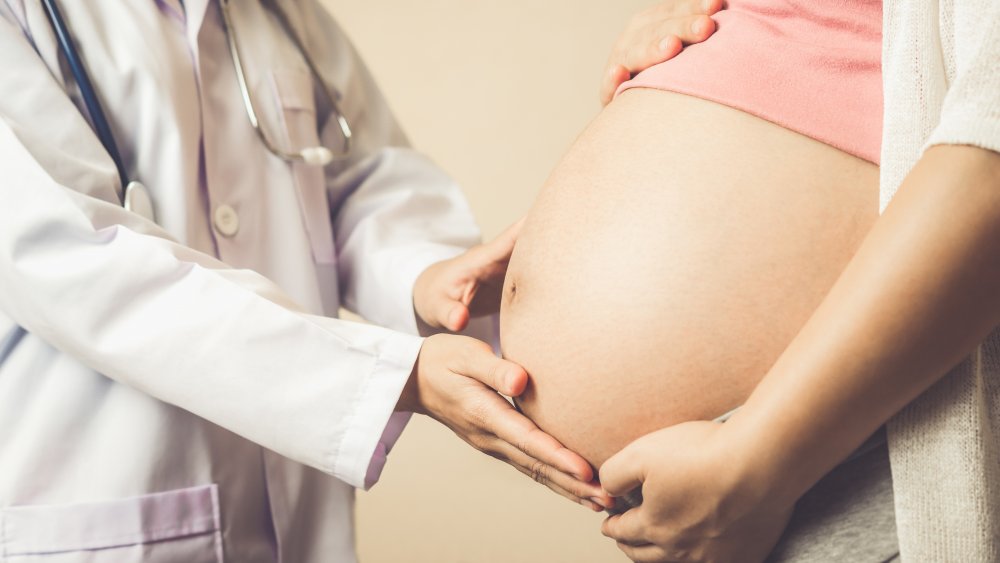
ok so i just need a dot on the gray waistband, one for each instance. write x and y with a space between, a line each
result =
727 416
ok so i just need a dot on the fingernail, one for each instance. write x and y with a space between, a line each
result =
590 505
697 25
665 44
453 317
508 384
599 502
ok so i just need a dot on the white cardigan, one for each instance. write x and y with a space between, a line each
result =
941 71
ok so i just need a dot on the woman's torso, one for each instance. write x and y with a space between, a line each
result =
681 243
672 255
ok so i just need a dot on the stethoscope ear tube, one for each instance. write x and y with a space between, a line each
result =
316 155
82 78
133 195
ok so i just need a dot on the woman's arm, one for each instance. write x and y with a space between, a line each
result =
919 295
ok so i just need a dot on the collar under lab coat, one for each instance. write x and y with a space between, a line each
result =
185 383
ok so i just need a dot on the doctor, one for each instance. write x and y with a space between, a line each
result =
178 390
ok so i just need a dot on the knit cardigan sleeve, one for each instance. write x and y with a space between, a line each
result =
941 71
971 111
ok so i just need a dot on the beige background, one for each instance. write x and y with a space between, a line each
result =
494 91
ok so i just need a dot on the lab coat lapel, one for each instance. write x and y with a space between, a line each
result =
195 12
174 7
16 9
43 38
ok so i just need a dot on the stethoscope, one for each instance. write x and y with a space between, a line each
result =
135 196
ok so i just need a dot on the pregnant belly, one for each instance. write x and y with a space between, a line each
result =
669 259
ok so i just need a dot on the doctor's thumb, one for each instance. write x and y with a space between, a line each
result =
502 375
457 317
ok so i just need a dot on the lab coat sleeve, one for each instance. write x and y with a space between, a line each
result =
395 212
116 293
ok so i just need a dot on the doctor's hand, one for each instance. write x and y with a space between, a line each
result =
706 497
449 293
657 34
456 381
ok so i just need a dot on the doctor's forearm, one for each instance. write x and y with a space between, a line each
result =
919 296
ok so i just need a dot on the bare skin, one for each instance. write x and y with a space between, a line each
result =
671 257
917 298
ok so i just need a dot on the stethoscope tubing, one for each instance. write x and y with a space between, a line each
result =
98 119
133 195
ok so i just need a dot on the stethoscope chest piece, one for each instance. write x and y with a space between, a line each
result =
137 200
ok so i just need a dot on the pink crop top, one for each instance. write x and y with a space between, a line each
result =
812 66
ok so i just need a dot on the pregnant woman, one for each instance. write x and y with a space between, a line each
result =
677 255
697 222
692 229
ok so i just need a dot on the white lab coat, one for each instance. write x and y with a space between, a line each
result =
180 392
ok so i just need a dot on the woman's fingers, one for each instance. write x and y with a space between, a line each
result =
692 29
614 76
664 40
623 471
648 553
626 528
680 8
629 530
660 47
656 35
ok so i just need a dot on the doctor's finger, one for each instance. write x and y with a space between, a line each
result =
534 473
478 362
574 488
501 247
516 429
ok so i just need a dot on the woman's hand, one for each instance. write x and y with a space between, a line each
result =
657 34
449 293
703 499
456 381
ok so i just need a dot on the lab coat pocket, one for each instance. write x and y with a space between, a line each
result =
294 90
178 525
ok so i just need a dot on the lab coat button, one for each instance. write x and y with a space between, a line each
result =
227 222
